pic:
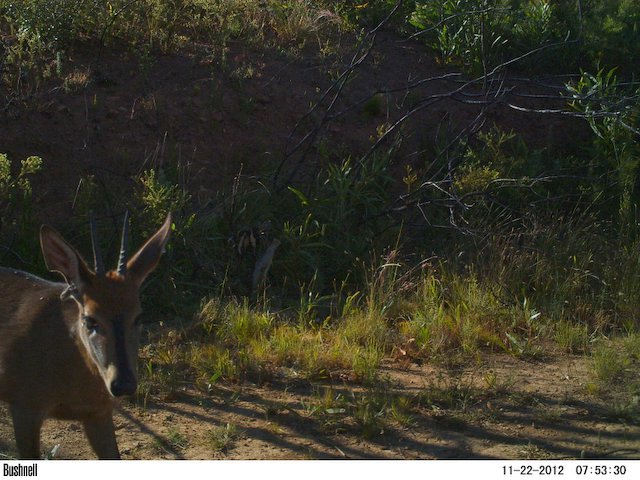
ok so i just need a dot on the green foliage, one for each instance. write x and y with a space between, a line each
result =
162 24
16 188
553 265
357 13
535 25
17 229
173 442
41 31
608 364
374 106
481 34
471 178
369 414
455 393
611 109
611 32
468 32
240 325
495 173
221 438
56 23
42 34
158 196
238 341
336 225
615 363
572 338
632 346
457 315
373 411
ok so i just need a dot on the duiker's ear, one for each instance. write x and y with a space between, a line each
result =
61 257
146 259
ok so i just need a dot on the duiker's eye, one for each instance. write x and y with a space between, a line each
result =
90 324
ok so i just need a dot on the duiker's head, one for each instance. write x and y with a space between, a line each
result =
109 303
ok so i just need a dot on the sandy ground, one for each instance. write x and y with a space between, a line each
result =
531 410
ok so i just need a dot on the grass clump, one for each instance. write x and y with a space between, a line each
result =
172 443
455 394
371 412
572 338
631 346
221 438
444 317
608 364
456 313
241 342
614 365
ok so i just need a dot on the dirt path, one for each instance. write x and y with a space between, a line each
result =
505 409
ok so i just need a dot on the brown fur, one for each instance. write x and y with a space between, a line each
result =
44 345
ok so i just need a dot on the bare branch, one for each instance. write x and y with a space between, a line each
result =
334 91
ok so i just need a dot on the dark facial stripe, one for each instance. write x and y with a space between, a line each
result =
122 358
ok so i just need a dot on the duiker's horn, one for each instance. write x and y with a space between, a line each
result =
97 256
124 246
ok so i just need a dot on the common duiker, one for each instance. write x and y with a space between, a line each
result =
68 349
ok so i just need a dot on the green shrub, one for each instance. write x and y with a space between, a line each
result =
18 232
481 34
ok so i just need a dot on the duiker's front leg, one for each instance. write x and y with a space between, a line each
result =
102 436
26 425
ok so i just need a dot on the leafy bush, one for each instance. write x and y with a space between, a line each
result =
56 23
481 34
611 109
464 31
611 33
334 227
17 229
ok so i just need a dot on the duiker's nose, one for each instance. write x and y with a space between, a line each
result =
123 386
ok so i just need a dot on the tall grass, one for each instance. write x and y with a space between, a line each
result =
441 315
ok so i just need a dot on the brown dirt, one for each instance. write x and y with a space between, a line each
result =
543 411
222 119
